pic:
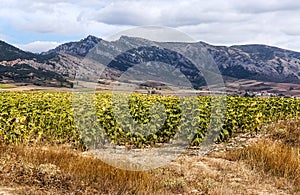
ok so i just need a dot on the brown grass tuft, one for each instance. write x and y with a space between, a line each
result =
62 170
277 152
287 131
272 157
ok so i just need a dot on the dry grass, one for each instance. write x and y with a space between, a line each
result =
286 131
277 153
58 170
269 164
62 170
206 175
273 157
7 86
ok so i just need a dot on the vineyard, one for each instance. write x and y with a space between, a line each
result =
53 117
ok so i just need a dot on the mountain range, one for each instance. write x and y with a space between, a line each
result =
80 60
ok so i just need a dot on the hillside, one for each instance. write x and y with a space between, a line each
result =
17 66
263 65
253 62
9 53
257 62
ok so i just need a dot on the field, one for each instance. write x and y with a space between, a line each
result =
40 131
240 86
51 117
7 86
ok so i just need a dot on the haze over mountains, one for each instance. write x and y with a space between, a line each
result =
57 66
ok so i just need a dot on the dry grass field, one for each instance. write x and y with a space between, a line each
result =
267 163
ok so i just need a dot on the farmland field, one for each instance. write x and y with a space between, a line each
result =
40 130
27 117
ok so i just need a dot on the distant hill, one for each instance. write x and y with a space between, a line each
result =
9 52
257 62
80 48
252 62
17 66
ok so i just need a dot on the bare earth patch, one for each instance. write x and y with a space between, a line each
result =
209 175
6 190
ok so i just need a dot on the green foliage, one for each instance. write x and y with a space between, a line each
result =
37 116
93 120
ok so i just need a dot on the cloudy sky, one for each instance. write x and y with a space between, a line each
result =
37 25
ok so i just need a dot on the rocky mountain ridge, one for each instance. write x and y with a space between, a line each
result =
73 60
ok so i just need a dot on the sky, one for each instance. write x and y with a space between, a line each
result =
39 25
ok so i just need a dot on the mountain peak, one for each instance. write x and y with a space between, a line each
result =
78 48
92 38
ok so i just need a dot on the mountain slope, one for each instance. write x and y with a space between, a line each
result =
9 52
252 62
80 48
257 62
18 66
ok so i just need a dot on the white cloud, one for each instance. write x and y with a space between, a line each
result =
278 28
172 14
38 46
43 18
219 22
258 6
58 17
